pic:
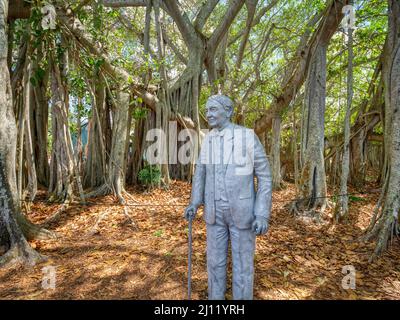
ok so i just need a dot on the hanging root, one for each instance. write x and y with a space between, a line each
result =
127 194
103 190
64 206
95 229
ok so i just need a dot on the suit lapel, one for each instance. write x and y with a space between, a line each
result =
230 145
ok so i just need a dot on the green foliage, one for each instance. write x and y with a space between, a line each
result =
351 199
204 94
158 233
356 199
168 254
139 113
94 62
35 20
37 76
149 175
378 129
77 84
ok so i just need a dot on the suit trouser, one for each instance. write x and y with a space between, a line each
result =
242 246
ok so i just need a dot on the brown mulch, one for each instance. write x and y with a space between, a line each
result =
297 259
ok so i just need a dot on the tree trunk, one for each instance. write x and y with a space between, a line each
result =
11 235
20 110
95 165
276 151
136 161
162 107
387 225
78 149
342 206
29 153
368 116
63 168
358 158
183 103
312 181
120 134
61 163
11 29
116 170
40 120
27 179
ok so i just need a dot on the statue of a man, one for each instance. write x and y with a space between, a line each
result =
223 181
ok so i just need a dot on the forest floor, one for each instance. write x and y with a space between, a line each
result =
295 260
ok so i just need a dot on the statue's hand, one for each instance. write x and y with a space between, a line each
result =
260 225
190 211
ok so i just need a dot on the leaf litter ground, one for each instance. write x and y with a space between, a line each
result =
297 259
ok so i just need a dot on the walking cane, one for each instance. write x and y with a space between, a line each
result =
190 258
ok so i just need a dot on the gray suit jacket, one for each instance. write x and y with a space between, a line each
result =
245 202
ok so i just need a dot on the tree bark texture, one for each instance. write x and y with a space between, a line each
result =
312 182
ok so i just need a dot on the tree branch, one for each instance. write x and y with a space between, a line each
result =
124 3
172 45
129 3
296 73
251 10
127 23
182 21
223 27
75 27
256 20
204 13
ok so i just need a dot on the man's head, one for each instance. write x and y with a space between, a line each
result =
219 110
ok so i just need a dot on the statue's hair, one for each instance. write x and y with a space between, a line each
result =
223 100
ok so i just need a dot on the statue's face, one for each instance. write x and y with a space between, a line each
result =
216 114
